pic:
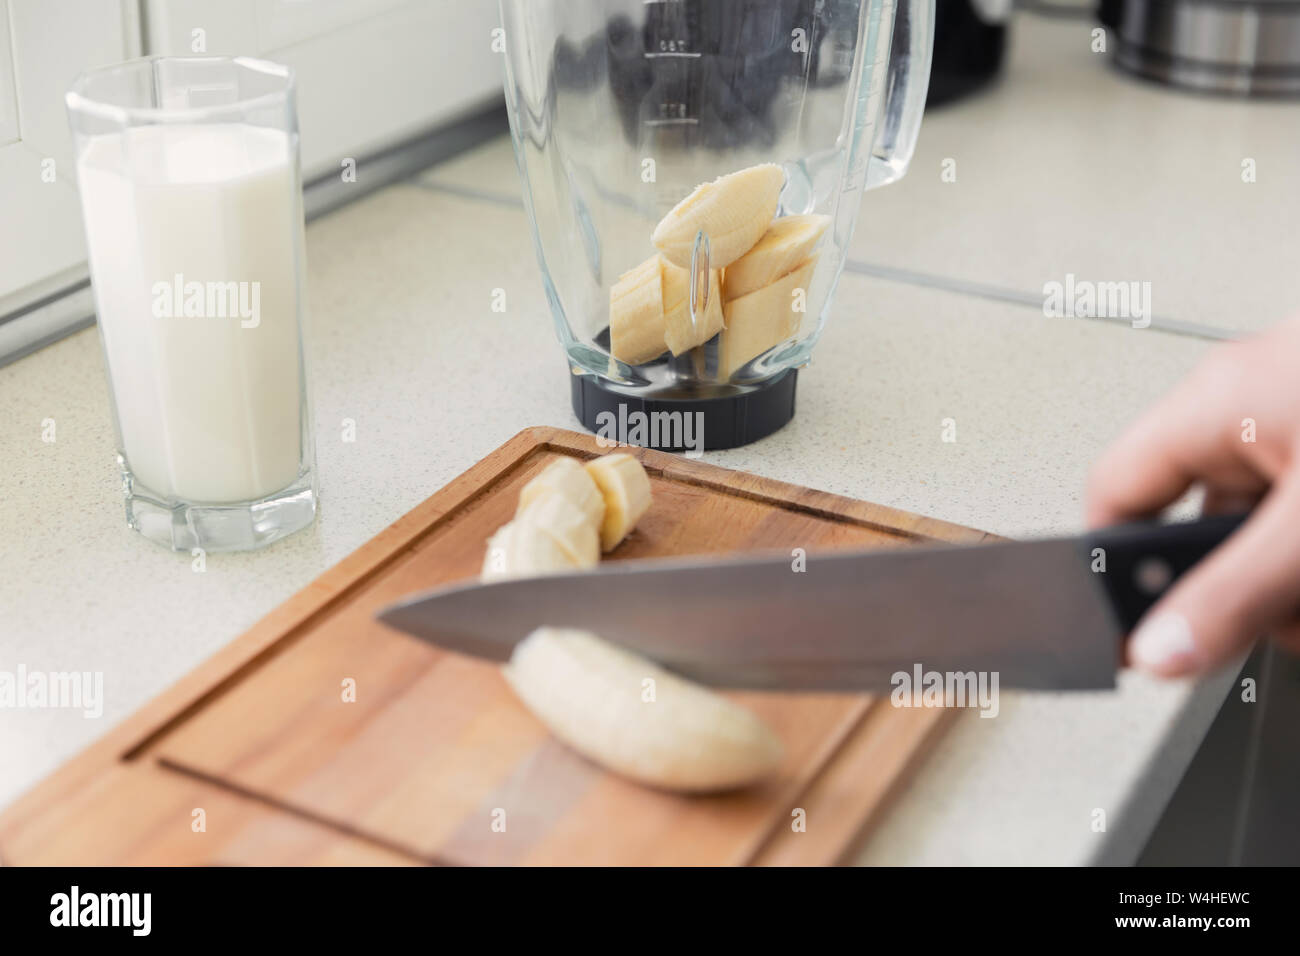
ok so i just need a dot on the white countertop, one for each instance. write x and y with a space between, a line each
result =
1063 166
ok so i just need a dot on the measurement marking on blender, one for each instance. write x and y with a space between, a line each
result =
668 32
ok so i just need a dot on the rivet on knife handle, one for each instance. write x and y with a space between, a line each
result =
1141 561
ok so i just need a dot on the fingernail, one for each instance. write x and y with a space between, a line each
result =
1163 644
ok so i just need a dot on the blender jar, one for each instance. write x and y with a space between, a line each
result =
692 171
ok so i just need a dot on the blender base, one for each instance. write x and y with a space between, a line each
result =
727 421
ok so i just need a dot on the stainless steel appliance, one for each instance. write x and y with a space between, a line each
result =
1225 46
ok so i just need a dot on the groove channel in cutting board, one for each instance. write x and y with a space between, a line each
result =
146 816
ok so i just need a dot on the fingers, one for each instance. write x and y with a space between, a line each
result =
1178 442
1143 470
1222 501
1287 637
1242 589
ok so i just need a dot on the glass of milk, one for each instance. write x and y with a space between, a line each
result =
191 194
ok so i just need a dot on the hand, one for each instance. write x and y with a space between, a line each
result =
1233 426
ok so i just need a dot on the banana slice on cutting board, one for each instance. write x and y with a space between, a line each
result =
565 477
626 489
680 334
592 695
762 319
550 536
733 211
521 550
567 524
787 243
566 514
636 314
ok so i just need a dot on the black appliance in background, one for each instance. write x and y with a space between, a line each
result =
732 87
970 37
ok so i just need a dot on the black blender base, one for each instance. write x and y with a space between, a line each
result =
726 421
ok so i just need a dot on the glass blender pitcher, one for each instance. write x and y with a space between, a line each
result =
692 171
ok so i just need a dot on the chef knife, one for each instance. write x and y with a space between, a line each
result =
1047 614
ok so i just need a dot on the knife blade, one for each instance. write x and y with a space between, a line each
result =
1047 614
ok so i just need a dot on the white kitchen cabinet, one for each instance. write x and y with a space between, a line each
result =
44 44
370 72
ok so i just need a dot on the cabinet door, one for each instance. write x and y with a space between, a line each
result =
44 44
370 72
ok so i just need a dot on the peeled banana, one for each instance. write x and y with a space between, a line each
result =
787 243
567 524
520 550
763 318
680 334
644 321
636 314
567 478
566 514
626 489
636 718
733 211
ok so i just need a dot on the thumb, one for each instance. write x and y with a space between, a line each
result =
1247 585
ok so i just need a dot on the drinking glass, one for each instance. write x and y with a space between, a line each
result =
191 195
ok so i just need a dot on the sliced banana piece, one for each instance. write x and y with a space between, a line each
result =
565 477
787 243
763 318
521 550
679 332
567 524
671 733
733 211
636 314
626 489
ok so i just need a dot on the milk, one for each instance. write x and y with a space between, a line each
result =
191 232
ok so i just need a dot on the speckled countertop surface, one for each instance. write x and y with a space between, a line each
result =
1064 166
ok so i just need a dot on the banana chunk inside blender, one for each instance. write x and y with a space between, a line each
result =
783 248
650 312
761 265
680 333
762 319
733 211
636 314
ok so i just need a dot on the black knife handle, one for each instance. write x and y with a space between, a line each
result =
1142 560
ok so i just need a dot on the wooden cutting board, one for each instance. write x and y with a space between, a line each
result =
262 755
